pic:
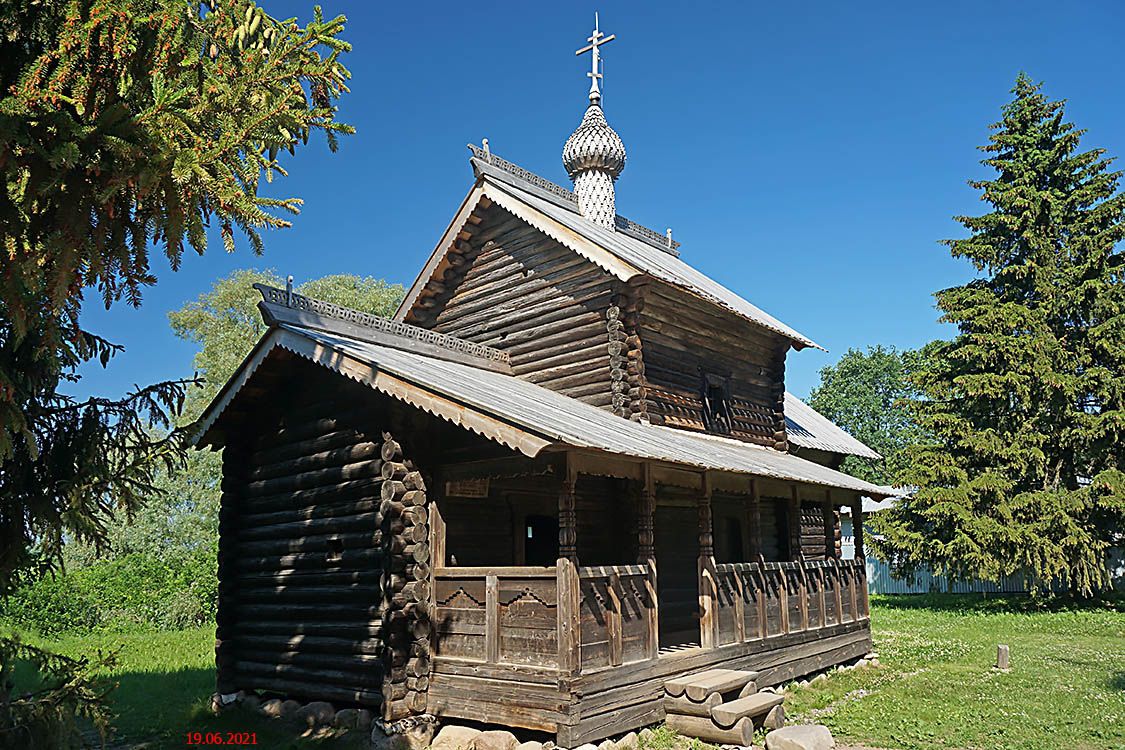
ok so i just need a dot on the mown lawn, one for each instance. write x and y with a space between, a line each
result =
935 687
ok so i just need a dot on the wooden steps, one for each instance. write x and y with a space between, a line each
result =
720 706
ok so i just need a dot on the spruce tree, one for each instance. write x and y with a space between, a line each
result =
1025 470
128 129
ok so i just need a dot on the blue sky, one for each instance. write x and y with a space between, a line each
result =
808 155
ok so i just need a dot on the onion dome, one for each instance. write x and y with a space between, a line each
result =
594 145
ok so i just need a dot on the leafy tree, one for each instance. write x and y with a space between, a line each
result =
126 126
226 324
182 518
863 393
1026 466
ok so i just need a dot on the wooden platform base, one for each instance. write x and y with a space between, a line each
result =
592 706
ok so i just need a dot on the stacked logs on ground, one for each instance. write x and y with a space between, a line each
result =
303 605
406 584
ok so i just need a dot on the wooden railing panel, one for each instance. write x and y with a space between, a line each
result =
528 621
459 617
765 600
497 615
847 591
615 615
814 584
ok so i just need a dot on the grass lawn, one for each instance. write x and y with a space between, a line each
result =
934 689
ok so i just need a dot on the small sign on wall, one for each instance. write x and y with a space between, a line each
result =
467 488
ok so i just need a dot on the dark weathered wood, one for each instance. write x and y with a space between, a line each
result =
688 707
742 733
749 707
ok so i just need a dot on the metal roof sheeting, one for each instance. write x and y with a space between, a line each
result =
637 253
507 400
808 428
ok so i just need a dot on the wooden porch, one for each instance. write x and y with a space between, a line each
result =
577 650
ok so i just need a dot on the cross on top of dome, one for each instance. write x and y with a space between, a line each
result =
596 40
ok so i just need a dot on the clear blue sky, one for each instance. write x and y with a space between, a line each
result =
808 155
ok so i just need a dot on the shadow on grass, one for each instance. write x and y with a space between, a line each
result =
1117 681
998 603
171 709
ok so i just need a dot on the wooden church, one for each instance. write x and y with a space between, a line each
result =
562 489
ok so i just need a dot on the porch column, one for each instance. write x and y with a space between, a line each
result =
754 522
795 554
706 568
857 527
568 516
646 555
646 514
829 527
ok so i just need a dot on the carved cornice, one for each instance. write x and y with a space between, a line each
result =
427 340
559 193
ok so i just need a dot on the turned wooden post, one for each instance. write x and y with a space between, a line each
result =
754 522
795 552
646 515
707 590
568 516
646 534
857 527
829 527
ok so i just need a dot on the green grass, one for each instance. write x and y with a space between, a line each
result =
164 681
935 687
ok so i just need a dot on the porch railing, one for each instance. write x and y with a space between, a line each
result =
583 619
760 600
505 615
617 615
566 618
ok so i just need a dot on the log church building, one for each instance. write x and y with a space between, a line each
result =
563 489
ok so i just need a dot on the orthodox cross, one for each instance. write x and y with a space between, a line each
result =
596 40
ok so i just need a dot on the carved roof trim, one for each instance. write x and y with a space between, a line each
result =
490 162
282 306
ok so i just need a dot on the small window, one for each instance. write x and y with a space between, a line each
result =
716 404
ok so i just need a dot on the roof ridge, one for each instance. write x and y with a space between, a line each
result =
284 306
559 194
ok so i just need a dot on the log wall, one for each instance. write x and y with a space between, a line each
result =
516 289
301 558
683 337
324 568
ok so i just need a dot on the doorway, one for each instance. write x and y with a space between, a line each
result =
541 540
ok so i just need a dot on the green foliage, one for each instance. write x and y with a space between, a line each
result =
156 566
130 592
863 393
1025 407
125 126
46 708
225 322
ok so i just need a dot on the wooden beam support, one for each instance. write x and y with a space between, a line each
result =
646 515
708 620
754 522
857 527
568 516
829 527
795 553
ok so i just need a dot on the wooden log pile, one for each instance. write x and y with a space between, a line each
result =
406 625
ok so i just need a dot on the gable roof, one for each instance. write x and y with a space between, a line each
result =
630 252
516 413
807 428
